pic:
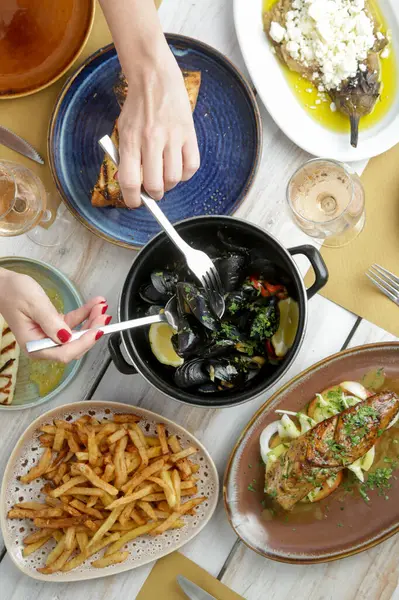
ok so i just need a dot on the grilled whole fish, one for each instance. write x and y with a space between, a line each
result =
329 447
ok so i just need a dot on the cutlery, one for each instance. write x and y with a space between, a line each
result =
385 281
193 591
198 262
15 142
169 316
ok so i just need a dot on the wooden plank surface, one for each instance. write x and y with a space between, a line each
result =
100 268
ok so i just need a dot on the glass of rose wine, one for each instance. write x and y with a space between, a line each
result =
23 208
326 200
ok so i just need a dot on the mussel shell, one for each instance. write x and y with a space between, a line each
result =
230 244
191 373
221 369
164 281
232 270
190 338
149 294
237 300
208 388
217 348
191 298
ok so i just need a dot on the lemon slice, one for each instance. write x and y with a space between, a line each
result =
161 344
285 334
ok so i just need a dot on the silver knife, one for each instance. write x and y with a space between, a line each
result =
15 142
193 591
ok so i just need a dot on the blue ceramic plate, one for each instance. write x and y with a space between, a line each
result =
53 282
228 127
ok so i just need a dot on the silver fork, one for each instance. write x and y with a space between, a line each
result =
198 262
385 281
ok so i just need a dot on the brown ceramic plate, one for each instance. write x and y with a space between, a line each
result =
39 41
342 524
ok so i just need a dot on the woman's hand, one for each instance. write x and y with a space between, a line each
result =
31 316
157 140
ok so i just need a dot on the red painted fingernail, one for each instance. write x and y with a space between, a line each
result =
104 310
63 335
108 320
98 335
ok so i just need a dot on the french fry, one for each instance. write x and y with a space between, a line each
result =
130 535
58 439
20 513
190 504
83 539
49 513
125 514
95 480
112 559
162 438
167 524
106 525
39 469
176 482
65 487
30 548
119 433
59 523
128 499
126 418
89 551
137 441
56 552
108 474
34 537
70 538
91 525
142 476
169 489
92 447
183 454
73 443
61 471
82 456
147 508
120 463
83 508
59 563
63 425
30 505
48 429
152 441
85 491
57 535
134 515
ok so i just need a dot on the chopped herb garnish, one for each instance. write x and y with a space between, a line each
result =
380 432
250 466
251 488
363 494
340 525
379 480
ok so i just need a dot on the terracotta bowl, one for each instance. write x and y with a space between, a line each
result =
40 41
340 525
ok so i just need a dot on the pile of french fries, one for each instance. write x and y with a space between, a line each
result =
106 484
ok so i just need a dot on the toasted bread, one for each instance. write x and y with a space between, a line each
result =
9 360
107 191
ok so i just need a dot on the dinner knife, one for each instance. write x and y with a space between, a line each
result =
15 142
193 591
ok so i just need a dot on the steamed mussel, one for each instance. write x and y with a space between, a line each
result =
222 354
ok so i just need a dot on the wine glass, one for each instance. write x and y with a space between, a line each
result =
23 208
326 199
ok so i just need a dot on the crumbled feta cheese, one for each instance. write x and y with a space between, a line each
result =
309 90
333 107
321 88
363 67
380 35
385 53
331 36
318 101
277 33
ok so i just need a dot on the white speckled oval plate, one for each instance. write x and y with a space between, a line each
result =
142 550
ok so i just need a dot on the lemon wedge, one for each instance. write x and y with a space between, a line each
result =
286 332
161 344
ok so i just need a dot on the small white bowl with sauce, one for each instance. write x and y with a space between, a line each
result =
40 381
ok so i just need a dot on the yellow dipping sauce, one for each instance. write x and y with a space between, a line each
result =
47 374
306 92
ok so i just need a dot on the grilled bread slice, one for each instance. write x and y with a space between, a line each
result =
107 191
9 360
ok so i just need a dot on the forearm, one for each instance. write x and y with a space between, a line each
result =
3 286
136 31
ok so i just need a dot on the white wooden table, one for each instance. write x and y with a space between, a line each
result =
100 268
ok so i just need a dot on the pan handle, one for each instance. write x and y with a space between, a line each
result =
318 265
114 347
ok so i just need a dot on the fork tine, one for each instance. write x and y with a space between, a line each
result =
215 278
382 288
383 280
387 274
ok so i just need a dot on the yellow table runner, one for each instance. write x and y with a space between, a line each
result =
348 285
161 584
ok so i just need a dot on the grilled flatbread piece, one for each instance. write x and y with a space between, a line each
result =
107 191
9 360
